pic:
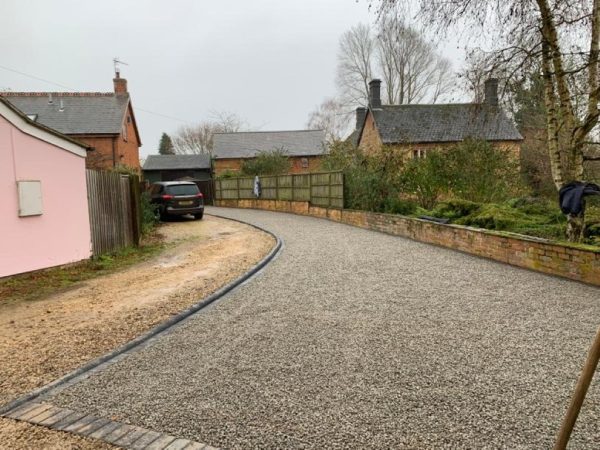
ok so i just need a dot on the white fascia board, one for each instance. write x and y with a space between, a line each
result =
39 133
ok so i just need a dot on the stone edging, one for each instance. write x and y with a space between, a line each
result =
110 431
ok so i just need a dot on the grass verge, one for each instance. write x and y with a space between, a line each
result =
42 283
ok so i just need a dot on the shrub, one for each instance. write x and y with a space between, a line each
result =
399 206
273 162
455 209
426 179
480 172
505 216
370 179
148 213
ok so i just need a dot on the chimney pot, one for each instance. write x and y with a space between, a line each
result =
491 92
361 115
375 93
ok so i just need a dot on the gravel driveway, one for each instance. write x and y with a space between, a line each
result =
356 339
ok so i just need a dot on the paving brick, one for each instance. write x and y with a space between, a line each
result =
117 433
61 424
178 444
196 446
145 440
56 417
93 426
48 414
128 439
105 430
34 412
161 443
20 410
75 426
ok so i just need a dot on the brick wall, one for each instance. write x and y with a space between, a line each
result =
568 261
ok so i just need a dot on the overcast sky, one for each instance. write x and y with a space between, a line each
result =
269 61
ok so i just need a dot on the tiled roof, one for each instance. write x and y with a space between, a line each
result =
34 123
82 112
177 162
443 123
248 144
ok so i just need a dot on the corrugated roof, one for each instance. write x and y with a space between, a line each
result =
83 113
248 144
177 162
443 123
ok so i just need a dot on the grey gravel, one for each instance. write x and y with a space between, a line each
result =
356 339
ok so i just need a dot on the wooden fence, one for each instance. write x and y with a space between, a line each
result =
115 212
321 189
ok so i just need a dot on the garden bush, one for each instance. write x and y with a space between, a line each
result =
371 180
399 206
149 220
426 178
273 162
455 209
480 172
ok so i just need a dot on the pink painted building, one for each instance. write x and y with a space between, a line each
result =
44 218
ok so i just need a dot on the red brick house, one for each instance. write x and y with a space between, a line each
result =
105 121
304 148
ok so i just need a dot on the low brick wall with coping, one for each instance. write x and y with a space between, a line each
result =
572 261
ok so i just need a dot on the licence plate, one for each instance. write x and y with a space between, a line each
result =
190 202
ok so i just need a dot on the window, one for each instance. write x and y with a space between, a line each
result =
304 163
419 153
182 189
124 132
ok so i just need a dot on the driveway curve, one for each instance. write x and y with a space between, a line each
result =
357 339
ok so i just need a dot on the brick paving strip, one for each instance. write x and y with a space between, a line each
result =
110 431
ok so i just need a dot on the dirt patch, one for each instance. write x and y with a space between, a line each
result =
45 339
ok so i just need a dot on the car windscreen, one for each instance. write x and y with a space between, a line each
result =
182 189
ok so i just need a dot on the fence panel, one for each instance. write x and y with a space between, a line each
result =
322 189
114 210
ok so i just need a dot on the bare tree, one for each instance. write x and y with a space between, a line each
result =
331 116
564 39
354 69
411 69
198 139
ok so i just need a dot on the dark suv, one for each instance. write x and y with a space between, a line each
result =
177 198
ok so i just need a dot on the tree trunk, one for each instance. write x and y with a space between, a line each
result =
575 226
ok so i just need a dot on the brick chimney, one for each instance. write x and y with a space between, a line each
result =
491 92
120 84
375 94
361 115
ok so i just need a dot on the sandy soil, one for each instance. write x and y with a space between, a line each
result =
42 340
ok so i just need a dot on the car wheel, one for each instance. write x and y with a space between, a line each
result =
198 216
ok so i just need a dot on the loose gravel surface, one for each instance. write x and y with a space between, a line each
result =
44 339
356 339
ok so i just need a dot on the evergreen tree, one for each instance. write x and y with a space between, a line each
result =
166 145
